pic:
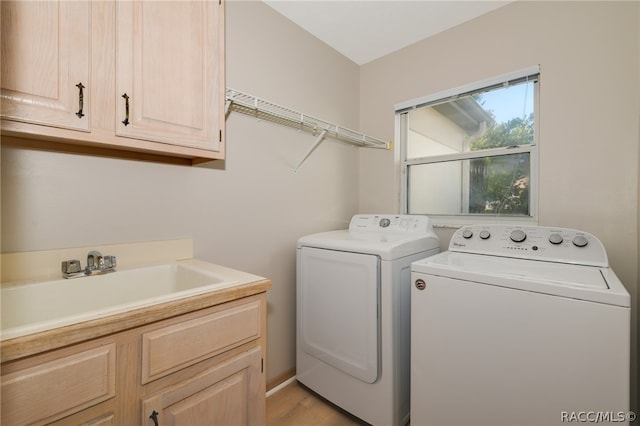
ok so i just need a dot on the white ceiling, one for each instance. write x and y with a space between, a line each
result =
365 30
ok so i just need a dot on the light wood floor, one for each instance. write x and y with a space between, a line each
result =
295 405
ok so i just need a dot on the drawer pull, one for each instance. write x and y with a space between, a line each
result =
80 86
154 417
126 108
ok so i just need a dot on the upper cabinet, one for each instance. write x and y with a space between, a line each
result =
169 72
46 63
139 76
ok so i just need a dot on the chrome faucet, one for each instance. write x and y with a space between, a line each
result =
96 264
95 260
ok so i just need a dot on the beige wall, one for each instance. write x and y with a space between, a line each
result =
245 213
589 112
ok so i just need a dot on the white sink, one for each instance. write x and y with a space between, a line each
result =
33 307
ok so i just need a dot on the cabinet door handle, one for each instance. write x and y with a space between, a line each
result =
154 417
80 86
126 108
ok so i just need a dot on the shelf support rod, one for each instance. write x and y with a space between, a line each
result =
227 107
318 141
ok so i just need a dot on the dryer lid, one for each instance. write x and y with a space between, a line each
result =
387 247
387 236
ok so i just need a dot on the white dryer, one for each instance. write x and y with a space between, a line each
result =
353 302
519 326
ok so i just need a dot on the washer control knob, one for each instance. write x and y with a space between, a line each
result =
484 234
518 236
580 241
467 233
420 284
555 239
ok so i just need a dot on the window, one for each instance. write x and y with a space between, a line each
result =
473 150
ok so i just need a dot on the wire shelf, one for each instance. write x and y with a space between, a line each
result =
266 110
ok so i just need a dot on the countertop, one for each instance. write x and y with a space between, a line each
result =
24 346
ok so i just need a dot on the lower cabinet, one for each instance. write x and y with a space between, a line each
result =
201 368
104 420
227 394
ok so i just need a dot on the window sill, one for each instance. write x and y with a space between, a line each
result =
455 222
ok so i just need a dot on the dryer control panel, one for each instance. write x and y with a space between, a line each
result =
531 242
390 223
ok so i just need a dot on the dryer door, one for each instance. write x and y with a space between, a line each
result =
338 308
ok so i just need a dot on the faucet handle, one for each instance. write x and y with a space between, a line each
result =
71 266
109 262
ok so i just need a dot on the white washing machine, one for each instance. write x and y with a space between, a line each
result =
353 302
519 326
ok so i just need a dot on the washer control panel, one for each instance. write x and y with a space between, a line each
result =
531 242
390 223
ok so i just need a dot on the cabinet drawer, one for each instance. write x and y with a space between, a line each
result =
59 388
177 346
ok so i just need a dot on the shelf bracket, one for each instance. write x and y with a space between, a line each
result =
317 142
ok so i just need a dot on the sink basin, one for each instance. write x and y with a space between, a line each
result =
39 306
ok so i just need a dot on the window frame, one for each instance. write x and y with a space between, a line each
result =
401 135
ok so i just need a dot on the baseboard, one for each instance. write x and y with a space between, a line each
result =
281 381
281 386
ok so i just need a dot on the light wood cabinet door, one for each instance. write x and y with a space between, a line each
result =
230 393
46 62
170 72
104 420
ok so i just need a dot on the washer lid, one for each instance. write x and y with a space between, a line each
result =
573 281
